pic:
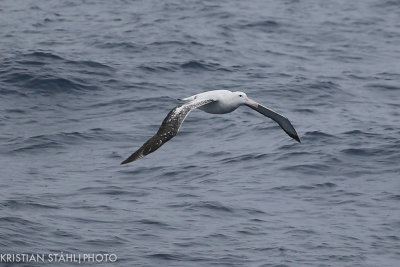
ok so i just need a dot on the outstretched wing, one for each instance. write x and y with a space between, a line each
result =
168 129
283 122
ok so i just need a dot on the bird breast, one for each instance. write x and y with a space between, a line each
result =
218 107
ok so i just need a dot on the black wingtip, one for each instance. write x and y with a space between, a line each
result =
126 161
295 137
133 157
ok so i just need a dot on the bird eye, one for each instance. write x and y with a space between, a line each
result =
240 95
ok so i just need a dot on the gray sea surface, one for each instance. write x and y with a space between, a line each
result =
83 84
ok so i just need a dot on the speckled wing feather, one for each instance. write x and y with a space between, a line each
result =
168 129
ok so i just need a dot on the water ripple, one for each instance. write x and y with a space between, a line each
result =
83 84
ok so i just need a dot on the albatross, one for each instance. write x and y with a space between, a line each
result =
215 102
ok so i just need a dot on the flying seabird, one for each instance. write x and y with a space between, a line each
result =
215 102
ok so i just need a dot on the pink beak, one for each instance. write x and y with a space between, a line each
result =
251 102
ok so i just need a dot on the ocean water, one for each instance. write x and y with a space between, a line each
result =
83 84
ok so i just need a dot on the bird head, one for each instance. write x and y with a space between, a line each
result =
242 99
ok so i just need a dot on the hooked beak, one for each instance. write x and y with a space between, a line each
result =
251 103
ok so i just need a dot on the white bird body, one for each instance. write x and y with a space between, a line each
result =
216 102
225 101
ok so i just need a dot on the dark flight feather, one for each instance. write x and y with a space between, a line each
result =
168 129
